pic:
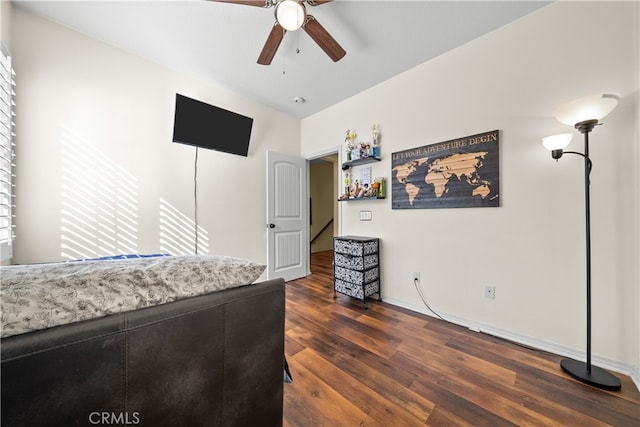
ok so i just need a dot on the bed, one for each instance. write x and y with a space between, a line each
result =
188 340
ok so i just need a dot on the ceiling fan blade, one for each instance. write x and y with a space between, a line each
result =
271 45
258 3
327 43
317 2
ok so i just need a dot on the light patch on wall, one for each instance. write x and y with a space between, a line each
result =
99 200
178 232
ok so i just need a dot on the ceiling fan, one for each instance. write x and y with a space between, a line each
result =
290 16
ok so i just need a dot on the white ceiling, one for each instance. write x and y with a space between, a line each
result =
220 42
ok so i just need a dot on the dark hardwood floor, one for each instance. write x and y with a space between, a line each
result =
388 366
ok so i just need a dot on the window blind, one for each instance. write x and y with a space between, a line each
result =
7 154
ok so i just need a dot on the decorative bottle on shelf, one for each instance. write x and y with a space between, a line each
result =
381 187
348 140
347 184
375 133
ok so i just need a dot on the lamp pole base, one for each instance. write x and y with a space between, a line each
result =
598 377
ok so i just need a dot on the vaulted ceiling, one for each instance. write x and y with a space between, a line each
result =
220 42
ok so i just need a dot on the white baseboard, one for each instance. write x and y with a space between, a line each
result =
635 376
577 354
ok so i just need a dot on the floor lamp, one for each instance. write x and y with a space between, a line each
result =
584 114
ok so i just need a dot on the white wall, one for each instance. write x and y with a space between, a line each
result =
5 22
532 247
95 161
635 204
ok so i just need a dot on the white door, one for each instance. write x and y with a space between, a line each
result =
287 231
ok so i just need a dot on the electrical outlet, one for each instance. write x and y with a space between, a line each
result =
490 292
416 277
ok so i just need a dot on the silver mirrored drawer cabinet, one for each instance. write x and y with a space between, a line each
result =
356 268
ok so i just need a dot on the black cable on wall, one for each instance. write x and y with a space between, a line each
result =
195 202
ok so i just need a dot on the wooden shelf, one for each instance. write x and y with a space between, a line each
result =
355 199
362 161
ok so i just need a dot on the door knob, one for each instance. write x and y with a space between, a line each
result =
272 226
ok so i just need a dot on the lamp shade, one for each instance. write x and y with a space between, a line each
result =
592 107
290 14
557 142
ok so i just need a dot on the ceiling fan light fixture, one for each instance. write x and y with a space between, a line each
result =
290 14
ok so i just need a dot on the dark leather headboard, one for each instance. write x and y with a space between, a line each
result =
210 360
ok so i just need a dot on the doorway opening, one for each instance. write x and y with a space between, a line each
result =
323 203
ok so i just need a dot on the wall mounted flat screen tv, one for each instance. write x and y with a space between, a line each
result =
202 125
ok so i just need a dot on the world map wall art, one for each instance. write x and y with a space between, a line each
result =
460 173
